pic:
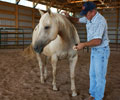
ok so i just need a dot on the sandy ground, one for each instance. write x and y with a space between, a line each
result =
20 79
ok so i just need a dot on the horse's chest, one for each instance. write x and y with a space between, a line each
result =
62 55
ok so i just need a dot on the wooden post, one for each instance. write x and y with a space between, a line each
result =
0 38
33 18
35 3
17 2
117 27
58 10
16 22
47 7
73 14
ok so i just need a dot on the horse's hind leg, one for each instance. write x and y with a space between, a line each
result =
54 60
41 67
72 62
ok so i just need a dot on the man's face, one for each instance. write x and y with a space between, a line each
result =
89 15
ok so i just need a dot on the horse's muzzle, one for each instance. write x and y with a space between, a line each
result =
38 48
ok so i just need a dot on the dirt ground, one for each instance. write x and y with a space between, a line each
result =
20 78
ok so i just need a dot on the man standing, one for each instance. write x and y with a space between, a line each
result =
97 37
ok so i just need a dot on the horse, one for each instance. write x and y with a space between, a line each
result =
54 37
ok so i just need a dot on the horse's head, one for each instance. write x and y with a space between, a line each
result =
45 32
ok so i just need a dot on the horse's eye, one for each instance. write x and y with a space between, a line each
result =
47 27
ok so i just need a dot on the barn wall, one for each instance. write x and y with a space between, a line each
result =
16 16
112 17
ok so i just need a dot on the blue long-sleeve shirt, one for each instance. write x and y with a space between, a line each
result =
96 29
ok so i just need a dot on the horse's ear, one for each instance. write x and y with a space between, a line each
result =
49 11
41 12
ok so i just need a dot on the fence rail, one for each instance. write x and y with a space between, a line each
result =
14 38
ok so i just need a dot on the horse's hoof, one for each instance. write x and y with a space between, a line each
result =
74 94
45 77
42 81
55 88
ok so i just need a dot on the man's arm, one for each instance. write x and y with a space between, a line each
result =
77 20
73 19
94 42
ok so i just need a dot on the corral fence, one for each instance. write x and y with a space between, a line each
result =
15 38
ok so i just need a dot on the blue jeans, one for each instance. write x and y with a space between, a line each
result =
98 69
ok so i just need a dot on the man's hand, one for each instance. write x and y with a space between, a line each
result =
79 46
94 42
66 14
71 19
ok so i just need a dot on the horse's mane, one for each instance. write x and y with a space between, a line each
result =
66 27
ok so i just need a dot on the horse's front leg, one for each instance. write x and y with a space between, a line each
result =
72 62
45 67
41 67
54 60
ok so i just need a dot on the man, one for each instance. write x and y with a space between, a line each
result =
97 37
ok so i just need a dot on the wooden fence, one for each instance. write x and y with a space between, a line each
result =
14 40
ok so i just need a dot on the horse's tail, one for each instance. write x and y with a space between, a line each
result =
29 52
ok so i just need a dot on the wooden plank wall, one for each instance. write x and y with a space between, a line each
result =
112 17
16 16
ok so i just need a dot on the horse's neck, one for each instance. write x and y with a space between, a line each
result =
66 30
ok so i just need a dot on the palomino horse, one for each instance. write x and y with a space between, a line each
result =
55 37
